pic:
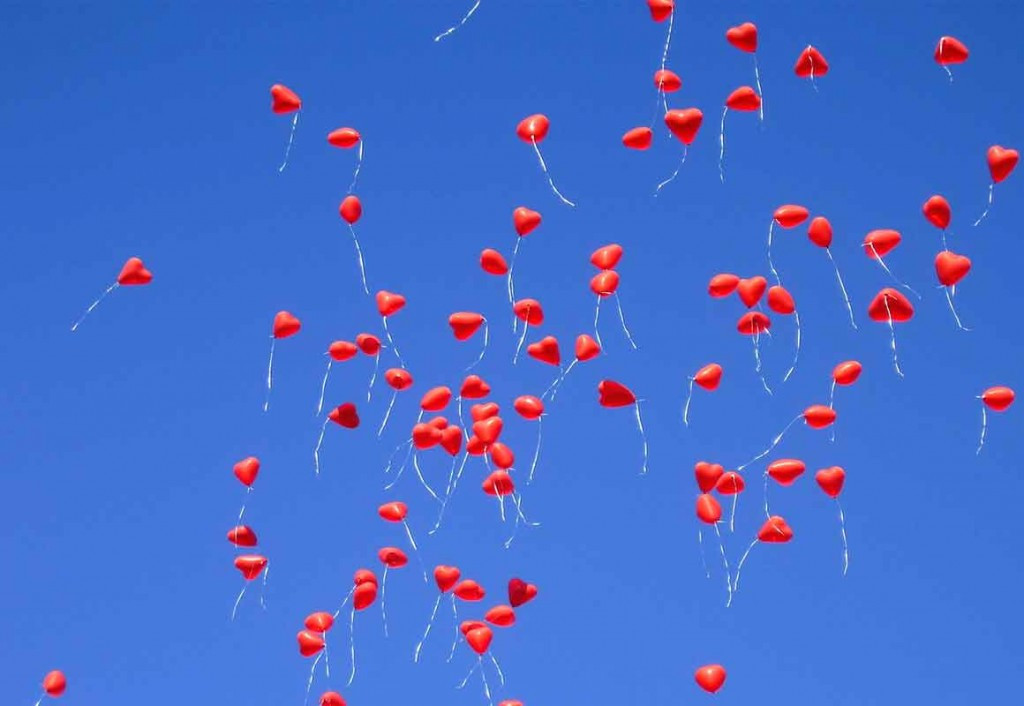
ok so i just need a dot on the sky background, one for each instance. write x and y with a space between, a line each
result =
146 130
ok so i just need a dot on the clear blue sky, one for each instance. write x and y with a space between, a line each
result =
146 131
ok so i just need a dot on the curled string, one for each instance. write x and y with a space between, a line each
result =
430 624
270 375
359 256
383 600
756 338
622 320
842 287
892 338
771 263
721 147
458 632
890 273
463 21
686 407
352 644
423 481
674 174
988 207
536 451
597 317
739 567
952 308
703 560
519 346
774 443
796 351
319 443
725 565
551 183
355 174
483 352
291 139
984 430
387 413
757 81
95 304
391 341
643 435
323 388
373 375
842 532
501 504
511 284
948 73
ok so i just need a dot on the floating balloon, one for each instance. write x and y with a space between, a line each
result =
493 262
499 484
446 577
950 268
55 684
389 304
363 594
722 285
743 99
351 210
667 81
831 481
707 475
586 349
246 471
612 395
998 399
949 51
525 221
520 592
283 101
532 408
731 483
744 38
530 312
811 64
775 530
391 558
344 415
133 273
706 378
753 324
939 213
370 345
532 130
638 138
1001 163
501 616
251 566
710 677
662 10
479 639
242 536
816 416
845 374
397 512
309 643
890 306
285 326
546 351
684 124
878 244
347 138
332 698
784 471
338 351
820 233
399 380
606 257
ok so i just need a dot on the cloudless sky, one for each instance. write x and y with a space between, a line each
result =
144 129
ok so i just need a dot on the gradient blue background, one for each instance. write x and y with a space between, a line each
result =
130 130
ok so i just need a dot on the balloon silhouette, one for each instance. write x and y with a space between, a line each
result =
133 273
998 399
283 101
532 130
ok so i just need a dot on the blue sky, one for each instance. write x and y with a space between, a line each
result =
146 131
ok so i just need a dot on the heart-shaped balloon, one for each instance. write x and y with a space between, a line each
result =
545 350
820 232
283 99
488 430
950 50
951 268
451 440
607 257
345 415
439 423
639 138
751 290
530 311
368 343
709 376
486 410
332 698
479 639
342 350
847 372
938 212
533 128
879 243
520 592
753 323
398 379
395 511
731 483
436 398
780 300
392 557
351 209
529 407
55 683
604 284
362 576
819 416
614 394
743 37
710 677
469 590
251 565
722 285
501 615
389 303
446 577
501 455
661 10
425 436
364 595
320 621
525 220
285 325
708 509
790 215
998 399
743 99
134 273
810 64
667 81
890 305
785 471
586 348
344 137
242 536
684 123
474 387
707 475
1001 161
831 480
493 262
775 531
247 469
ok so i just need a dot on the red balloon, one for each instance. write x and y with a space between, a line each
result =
710 677
684 123
775 531
520 592
242 536
533 128
364 595
530 311
667 81
810 63
362 576
819 416
436 399
879 243
368 343
753 323
529 407
950 50
351 209
251 565
446 577
247 469
639 138
785 471
342 350
998 399
134 273
511 702
708 509
425 436
469 590
493 262
707 475
398 379
847 372
285 325
722 285
607 257
831 480
389 303
464 324
332 698
393 511
604 283
613 394
743 37
731 483
743 99
709 376
319 621
392 557
451 440
780 300
55 683
345 415
501 455
499 484
480 412
661 10
466 625
283 99
1001 162
586 348
790 215
501 615
344 137
479 639
890 304
488 430
439 423
545 350
820 232
938 212
950 268
525 220
475 447
751 290
474 388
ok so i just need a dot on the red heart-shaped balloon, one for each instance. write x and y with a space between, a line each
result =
667 81
242 536
753 323
530 311
604 283
819 416
493 262
479 639
480 412
501 455
684 123
285 325
810 64
474 387
1001 161
525 220
847 372
398 379
661 10
586 348
938 212
320 621
890 305
722 285
820 232
533 128
879 243
251 565
520 592
435 399
393 512
708 509
501 615
451 440
351 209
950 50
545 350
613 394
951 268
55 683
775 531
446 577
344 137
743 37
342 350
790 215
707 475
392 557
345 415
731 483
780 300
639 138
710 677
607 257
998 398
332 698
786 470
709 376
751 290
831 480
469 590
247 469
744 99
425 436
134 273
528 406
488 430
368 343
464 324
364 595
389 303
283 99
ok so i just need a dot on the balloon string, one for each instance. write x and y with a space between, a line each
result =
263 587
597 317
892 338
344 602
721 149
842 532
555 386
643 435
814 84
319 443
501 505
95 304
686 407
430 624
760 93
831 400
774 443
238 600
355 174
309 682
323 389
739 567
327 658
771 263
352 643
462 684
622 320
359 257
423 481
519 346
387 413
551 183
674 174
483 350
465 19
756 338
842 287
497 668
383 600
401 469
391 458
732 513
270 375
415 549
668 38
725 565
373 375
952 308
241 512
517 501
511 284
984 429
487 688
458 632
700 546
391 342
291 139
988 207
766 511
796 351
889 272
449 489
536 451
948 73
